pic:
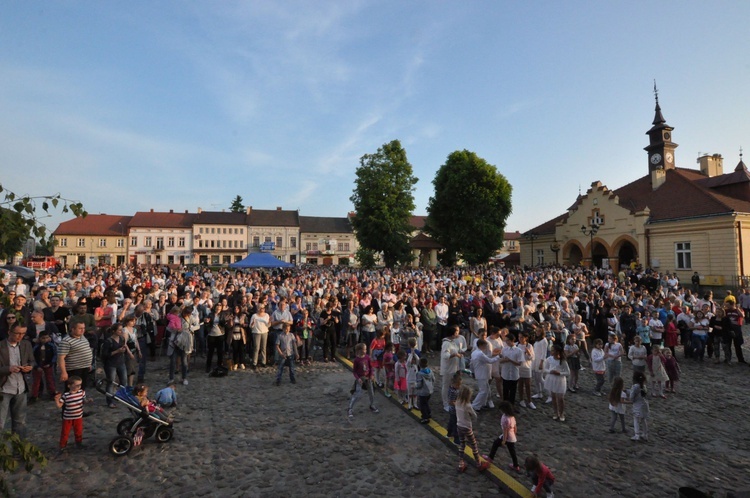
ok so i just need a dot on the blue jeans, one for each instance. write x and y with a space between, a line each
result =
122 376
173 363
699 345
200 340
614 368
16 405
142 360
282 363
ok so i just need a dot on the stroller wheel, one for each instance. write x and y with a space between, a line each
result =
121 445
164 435
123 428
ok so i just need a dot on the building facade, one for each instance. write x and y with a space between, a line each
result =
327 241
274 231
160 238
97 239
219 238
674 220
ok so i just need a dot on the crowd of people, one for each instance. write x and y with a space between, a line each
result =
528 332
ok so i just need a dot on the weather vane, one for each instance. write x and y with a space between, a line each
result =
656 92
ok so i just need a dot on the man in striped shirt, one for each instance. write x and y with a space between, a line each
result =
74 354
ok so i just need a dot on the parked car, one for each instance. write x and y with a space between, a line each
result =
26 274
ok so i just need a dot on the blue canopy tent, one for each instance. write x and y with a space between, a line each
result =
261 260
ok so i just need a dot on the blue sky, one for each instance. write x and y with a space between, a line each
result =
176 105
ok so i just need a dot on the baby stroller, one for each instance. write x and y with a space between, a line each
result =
144 423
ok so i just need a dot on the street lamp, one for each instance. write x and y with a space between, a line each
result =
592 230
122 237
531 236
555 247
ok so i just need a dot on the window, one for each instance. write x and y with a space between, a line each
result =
256 241
212 243
278 242
224 243
63 242
308 246
215 259
213 230
293 242
170 242
236 244
539 257
267 239
81 242
343 246
147 241
120 242
200 243
225 230
242 231
683 256
200 230
236 231
226 259
170 260
160 242
102 242
181 242
133 241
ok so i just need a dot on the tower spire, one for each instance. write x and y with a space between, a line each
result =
658 118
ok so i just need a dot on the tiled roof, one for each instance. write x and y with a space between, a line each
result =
547 227
424 241
273 218
319 224
162 220
512 235
417 222
221 218
683 195
95 224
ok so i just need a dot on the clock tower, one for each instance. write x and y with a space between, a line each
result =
660 149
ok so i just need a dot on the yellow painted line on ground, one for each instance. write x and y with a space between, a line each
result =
506 480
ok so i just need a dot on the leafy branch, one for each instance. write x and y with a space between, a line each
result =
19 217
15 451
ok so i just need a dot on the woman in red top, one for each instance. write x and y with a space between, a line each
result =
377 350
670 333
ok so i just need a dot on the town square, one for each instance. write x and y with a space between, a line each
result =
257 248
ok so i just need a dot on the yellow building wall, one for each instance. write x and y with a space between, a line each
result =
713 245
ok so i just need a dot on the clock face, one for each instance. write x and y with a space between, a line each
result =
667 136
668 156
656 158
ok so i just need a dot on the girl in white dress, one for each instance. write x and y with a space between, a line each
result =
557 372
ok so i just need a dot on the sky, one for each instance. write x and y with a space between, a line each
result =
179 105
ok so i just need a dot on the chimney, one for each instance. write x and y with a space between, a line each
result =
152 210
712 165
248 210
278 208
171 211
186 211
200 210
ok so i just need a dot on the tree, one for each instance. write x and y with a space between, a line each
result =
237 206
13 451
383 203
19 221
471 203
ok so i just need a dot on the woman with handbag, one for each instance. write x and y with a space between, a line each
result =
215 338
180 345
237 338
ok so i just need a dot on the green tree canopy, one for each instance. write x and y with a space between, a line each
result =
19 221
383 203
471 203
237 206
